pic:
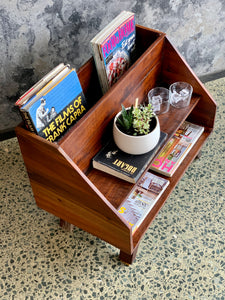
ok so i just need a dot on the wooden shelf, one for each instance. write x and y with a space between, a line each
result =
173 182
110 186
169 123
67 186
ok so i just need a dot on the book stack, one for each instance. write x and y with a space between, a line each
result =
54 103
113 49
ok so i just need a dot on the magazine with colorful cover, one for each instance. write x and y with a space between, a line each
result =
176 149
113 49
60 107
142 199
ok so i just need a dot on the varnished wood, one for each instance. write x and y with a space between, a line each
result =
60 188
175 68
97 121
65 225
173 182
61 174
128 258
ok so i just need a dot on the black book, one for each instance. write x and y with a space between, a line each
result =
129 167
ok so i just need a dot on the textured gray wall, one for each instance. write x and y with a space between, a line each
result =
36 35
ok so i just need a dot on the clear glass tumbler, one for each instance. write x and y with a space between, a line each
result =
180 94
159 98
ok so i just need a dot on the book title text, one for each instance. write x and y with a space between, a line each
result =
64 120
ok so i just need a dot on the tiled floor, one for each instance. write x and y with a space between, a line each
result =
182 255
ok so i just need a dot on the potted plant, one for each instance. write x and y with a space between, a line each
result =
136 130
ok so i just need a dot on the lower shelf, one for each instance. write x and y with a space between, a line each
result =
173 182
116 190
123 189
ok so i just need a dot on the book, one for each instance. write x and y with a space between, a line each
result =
45 88
142 199
113 49
176 149
37 90
56 107
37 86
112 160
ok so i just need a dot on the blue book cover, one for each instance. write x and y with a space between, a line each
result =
59 108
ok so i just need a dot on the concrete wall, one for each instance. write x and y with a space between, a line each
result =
36 35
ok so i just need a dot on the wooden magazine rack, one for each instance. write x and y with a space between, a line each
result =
61 174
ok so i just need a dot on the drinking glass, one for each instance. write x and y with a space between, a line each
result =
180 94
159 98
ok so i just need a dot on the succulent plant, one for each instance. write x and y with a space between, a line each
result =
142 116
136 120
125 120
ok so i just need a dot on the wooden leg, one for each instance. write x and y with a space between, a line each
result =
65 225
199 154
128 258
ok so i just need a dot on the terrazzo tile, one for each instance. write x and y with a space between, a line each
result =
182 255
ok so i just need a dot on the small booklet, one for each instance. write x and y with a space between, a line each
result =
142 199
176 149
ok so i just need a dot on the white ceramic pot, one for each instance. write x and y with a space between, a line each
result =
136 144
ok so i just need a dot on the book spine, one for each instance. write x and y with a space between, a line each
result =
28 121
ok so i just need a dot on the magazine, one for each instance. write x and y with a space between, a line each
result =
142 199
113 49
176 149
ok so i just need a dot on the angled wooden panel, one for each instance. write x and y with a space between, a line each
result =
175 68
60 188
